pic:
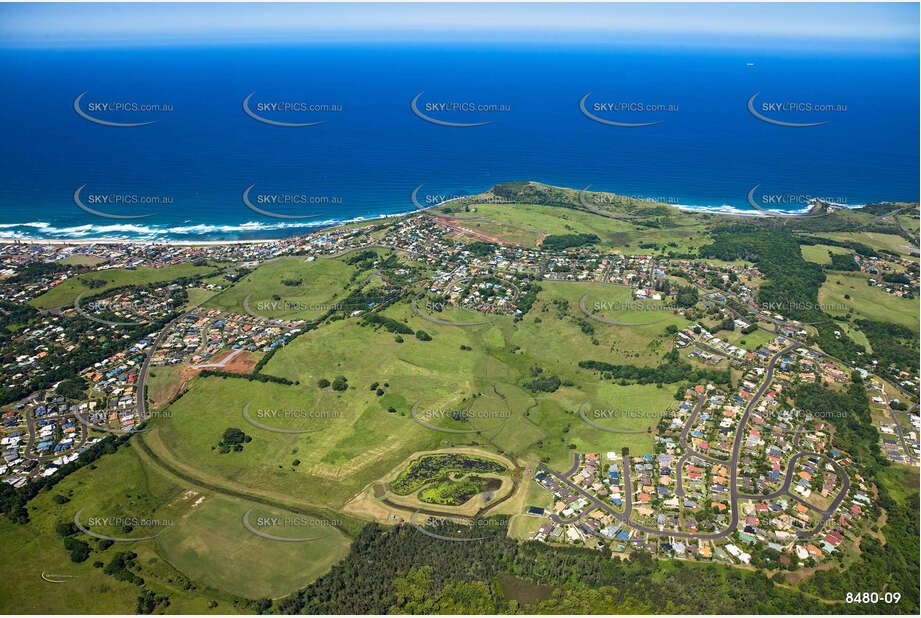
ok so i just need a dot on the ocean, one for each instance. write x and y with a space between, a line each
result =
183 176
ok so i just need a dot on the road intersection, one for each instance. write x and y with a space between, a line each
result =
735 495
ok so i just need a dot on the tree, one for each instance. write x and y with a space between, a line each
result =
233 435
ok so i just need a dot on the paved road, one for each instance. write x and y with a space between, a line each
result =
223 362
802 344
576 460
887 215
688 451
606 275
573 520
30 444
735 495
683 438
140 403
785 491
898 428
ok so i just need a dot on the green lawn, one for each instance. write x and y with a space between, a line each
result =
67 292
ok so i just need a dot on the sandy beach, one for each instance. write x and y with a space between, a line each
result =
113 241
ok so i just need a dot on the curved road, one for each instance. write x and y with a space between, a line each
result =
30 444
735 495
140 403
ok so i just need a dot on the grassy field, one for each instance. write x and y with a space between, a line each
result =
521 527
213 548
198 296
635 407
67 292
908 222
161 384
751 341
819 253
901 480
614 233
855 334
349 441
511 234
364 436
116 485
82 260
890 242
201 538
547 324
299 289
865 301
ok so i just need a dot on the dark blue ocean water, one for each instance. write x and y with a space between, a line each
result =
366 159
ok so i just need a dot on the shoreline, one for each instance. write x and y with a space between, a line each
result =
724 210
132 241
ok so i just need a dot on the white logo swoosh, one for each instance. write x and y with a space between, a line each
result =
444 123
276 123
592 116
106 123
